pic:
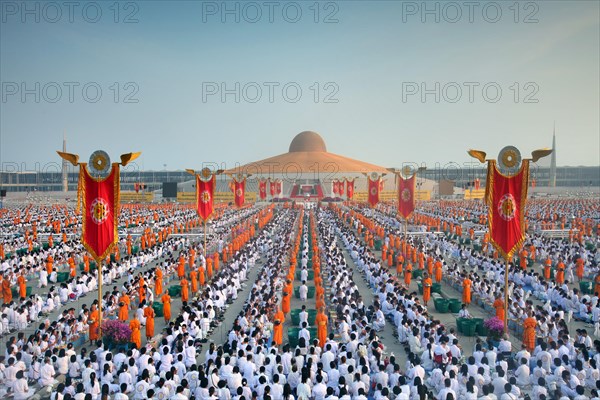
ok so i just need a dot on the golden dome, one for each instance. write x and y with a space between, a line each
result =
308 141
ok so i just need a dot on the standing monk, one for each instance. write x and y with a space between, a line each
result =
321 321
278 319
467 290
499 306
6 290
287 296
529 332
149 315
560 272
166 300
547 266
408 274
136 335
201 277
597 286
185 291
123 311
93 321
158 288
579 268
438 271
426 288
194 279
181 267
209 268
22 285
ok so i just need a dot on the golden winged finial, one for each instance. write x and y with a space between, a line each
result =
128 157
190 171
540 153
478 154
72 158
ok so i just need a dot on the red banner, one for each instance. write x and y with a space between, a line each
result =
350 189
272 187
100 200
279 186
205 197
262 189
238 193
506 198
406 196
335 187
374 189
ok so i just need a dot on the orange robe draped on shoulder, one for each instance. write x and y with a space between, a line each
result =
149 315
166 300
94 331
427 289
466 297
499 306
278 327
136 334
321 321
529 333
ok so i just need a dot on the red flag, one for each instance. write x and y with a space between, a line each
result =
341 188
204 196
350 189
335 187
374 188
477 184
279 185
240 190
406 196
506 198
100 199
272 187
262 189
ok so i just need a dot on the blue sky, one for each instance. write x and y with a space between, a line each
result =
365 68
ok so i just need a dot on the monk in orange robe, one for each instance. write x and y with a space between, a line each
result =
166 300
123 311
560 273
547 266
22 285
201 277
149 315
216 261
194 280
579 268
321 321
466 297
185 291
287 297
427 283
597 286
408 274
72 269
529 332
158 286
181 267
94 322
209 268
399 263
6 291
278 320
136 334
499 306
438 271
49 264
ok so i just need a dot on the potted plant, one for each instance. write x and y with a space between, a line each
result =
116 334
495 329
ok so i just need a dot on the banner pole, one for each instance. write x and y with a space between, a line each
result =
506 297
204 247
99 272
